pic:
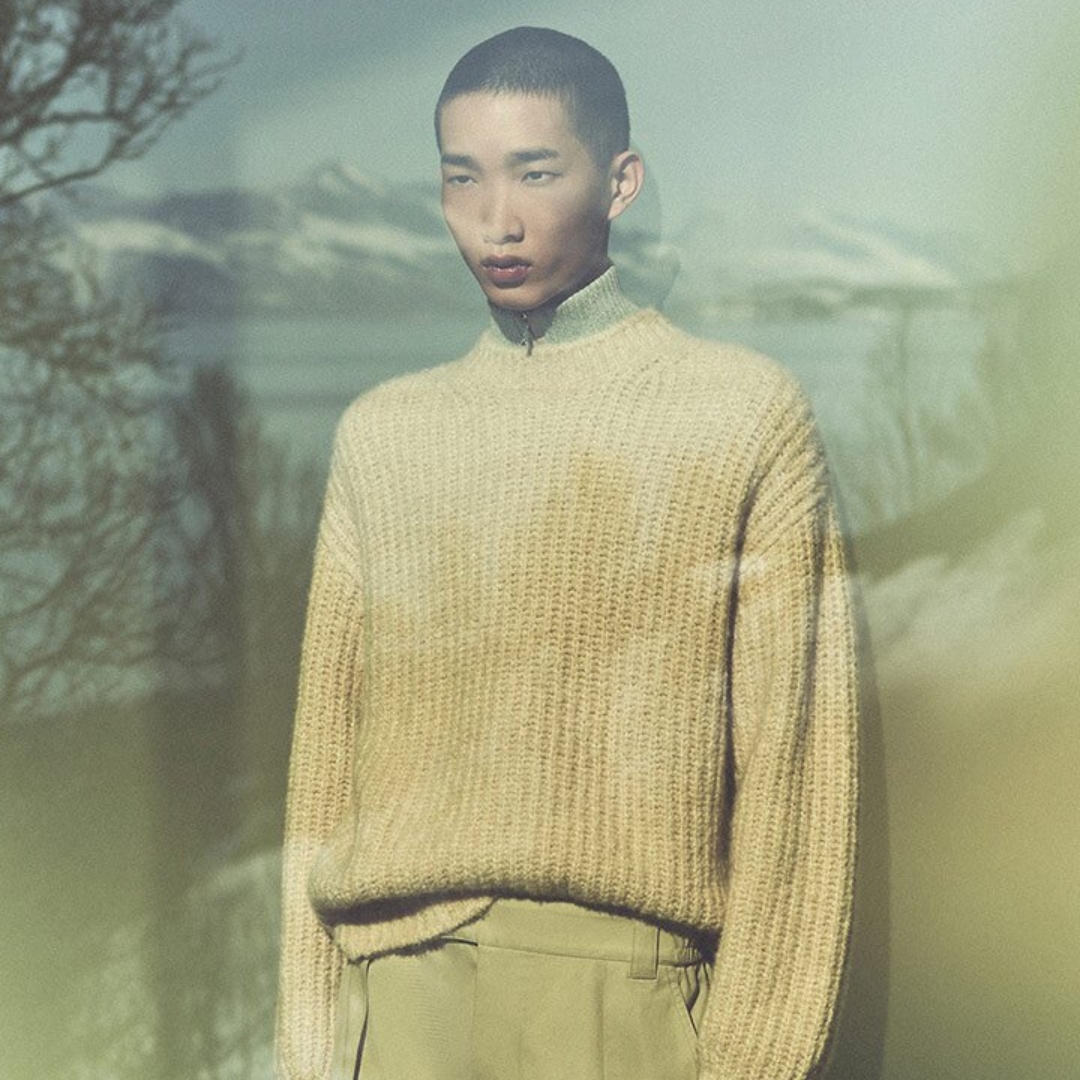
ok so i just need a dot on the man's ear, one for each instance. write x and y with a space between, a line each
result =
626 174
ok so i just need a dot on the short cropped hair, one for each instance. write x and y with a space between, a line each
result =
547 63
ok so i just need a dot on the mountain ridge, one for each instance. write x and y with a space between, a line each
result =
336 241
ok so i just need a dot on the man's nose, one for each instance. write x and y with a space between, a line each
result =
502 224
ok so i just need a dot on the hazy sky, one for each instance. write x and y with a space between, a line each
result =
938 113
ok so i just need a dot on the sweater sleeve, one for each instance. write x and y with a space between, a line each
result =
793 723
320 771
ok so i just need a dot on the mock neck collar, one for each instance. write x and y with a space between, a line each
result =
593 307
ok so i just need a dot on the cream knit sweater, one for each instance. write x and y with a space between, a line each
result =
579 629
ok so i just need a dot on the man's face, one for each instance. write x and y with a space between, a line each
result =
523 197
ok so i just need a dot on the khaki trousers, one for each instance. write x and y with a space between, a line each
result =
530 991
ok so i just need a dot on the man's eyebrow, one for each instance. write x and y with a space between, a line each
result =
515 157
523 157
461 161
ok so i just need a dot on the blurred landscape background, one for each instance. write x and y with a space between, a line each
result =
220 224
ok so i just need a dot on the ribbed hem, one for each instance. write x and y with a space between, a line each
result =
396 932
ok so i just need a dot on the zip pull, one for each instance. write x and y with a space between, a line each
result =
527 335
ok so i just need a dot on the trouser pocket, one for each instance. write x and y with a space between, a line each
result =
351 1028
690 985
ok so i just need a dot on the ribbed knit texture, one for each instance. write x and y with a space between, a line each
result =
579 630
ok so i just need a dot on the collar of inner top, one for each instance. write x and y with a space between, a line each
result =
592 308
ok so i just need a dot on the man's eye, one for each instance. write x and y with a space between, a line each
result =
458 180
538 176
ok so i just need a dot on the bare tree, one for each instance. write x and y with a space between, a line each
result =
85 83
114 483
99 511
151 539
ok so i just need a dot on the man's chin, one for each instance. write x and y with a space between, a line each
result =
513 298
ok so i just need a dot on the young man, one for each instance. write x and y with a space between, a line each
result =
572 792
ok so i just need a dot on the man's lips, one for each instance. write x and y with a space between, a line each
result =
505 270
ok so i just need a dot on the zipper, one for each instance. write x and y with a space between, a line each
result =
527 335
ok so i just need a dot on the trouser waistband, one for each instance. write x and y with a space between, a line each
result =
563 929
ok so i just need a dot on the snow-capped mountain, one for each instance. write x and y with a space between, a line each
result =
332 243
815 262
339 243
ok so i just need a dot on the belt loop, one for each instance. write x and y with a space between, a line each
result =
646 955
